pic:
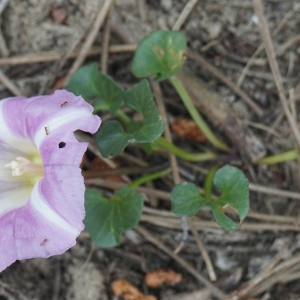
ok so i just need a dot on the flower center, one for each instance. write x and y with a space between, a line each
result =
22 165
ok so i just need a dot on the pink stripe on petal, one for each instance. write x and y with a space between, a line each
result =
7 242
63 188
12 111
40 231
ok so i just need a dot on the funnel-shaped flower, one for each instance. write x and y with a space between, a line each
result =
41 186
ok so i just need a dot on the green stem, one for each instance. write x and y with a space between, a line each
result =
163 143
278 158
208 182
149 177
122 116
195 114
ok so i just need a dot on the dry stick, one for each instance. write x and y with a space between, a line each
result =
173 159
265 34
268 129
86 261
296 170
276 122
271 218
262 275
199 59
3 5
90 40
166 196
113 185
270 282
272 191
282 48
261 46
152 239
9 84
290 277
63 59
175 223
142 10
184 14
48 56
123 34
4 49
105 41
167 132
253 215
3 46
204 253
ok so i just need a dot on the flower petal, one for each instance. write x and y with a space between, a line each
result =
61 147
12 129
32 118
67 196
40 231
7 241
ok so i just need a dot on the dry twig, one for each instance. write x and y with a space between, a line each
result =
184 14
204 253
89 40
105 41
152 239
48 56
261 46
199 59
9 84
266 37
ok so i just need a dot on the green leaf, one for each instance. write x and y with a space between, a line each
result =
112 138
107 219
162 54
90 83
186 199
235 192
139 98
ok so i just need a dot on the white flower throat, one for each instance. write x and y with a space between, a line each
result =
29 170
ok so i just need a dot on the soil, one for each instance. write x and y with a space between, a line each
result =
226 34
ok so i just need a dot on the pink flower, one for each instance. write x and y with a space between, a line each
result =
41 186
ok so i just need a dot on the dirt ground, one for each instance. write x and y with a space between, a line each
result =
263 258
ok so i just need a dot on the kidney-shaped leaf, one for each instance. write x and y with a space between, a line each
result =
186 199
112 138
160 54
234 187
90 83
107 219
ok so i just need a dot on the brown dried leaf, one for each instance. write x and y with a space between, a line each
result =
59 82
159 277
188 130
58 15
125 289
98 164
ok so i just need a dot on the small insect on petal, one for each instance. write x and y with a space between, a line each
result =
63 104
43 242
47 131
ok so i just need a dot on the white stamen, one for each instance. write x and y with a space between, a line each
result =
22 165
